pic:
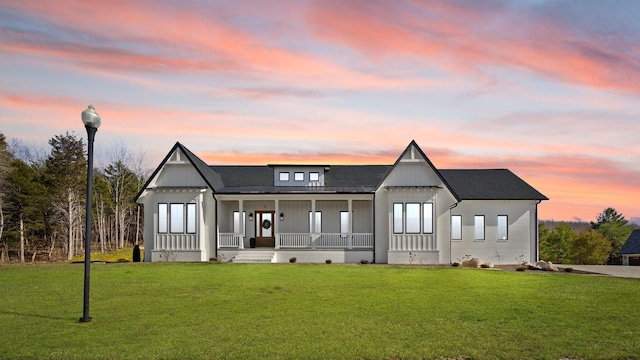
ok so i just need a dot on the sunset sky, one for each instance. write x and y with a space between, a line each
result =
549 89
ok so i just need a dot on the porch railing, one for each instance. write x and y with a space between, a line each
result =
308 241
326 240
231 240
176 242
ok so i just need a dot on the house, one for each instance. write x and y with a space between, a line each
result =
630 251
405 213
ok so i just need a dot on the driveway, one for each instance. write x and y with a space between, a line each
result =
612 270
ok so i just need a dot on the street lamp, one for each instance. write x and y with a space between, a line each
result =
91 121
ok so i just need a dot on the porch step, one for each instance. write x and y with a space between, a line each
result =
252 256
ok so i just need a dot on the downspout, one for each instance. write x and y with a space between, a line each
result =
450 234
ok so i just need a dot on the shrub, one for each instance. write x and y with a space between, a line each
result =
328 261
568 269
455 264
521 268
485 266
364 261
293 259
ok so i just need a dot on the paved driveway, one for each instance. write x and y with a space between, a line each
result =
613 270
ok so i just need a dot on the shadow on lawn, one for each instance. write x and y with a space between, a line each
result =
38 316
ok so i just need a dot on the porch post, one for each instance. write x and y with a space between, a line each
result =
313 223
350 222
276 224
241 224
203 246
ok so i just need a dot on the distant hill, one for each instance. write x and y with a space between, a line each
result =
577 226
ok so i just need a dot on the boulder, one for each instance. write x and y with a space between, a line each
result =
546 265
472 263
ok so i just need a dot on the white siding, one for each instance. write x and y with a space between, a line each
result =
517 248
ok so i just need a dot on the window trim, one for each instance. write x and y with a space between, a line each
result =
163 220
171 222
244 222
283 176
406 218
459 228
295 176
424 229
506 228
191 207
475 228
318 223
401 222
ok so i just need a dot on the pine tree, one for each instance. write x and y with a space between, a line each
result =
65 178
5 168
616 229
24 197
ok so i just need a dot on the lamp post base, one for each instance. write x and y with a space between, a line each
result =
85 319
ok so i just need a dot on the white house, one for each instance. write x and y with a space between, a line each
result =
405 213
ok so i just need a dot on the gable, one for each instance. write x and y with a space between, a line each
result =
414 169
181 168
632 245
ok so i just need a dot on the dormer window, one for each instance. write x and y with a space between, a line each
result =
284 176
298 176
314 176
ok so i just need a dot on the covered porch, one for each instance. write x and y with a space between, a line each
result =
287 221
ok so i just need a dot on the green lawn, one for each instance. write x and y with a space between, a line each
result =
298 311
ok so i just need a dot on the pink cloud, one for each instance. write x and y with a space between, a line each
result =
472 37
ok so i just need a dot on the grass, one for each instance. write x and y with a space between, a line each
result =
120 255
301 311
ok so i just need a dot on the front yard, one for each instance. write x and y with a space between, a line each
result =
294 311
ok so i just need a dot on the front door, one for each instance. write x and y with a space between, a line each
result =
265 236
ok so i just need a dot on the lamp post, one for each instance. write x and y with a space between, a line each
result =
91 121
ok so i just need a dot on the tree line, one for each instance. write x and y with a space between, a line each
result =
43 199
597 243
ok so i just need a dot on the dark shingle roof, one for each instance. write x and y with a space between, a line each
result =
491 184
632 246
496 184
338 179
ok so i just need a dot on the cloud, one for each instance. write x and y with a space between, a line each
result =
476 37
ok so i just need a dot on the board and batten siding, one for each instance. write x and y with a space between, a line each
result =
521 229
412 171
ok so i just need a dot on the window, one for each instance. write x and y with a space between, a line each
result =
284 176
503 231
456 227
413 219
314 176
191 218
478 233
298 176
318 228
176 218
344 222
398 226
163 212
427 218
236 223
